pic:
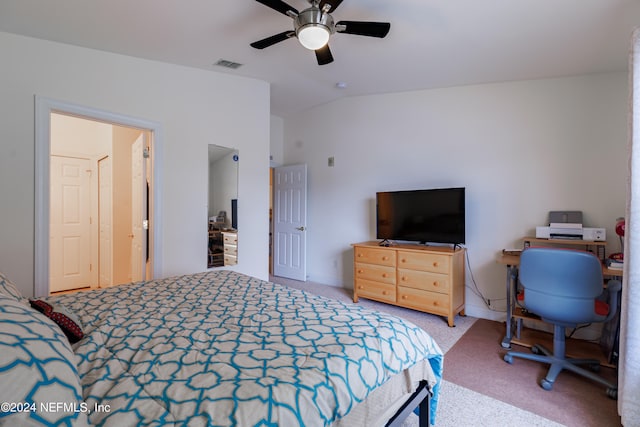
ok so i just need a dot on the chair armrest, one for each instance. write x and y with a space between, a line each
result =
613 287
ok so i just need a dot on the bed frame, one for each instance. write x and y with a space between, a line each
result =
419 399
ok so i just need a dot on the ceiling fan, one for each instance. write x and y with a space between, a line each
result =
313 27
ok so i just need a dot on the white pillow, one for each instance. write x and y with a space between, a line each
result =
38 372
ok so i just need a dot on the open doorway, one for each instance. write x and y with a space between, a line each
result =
98 203
97 198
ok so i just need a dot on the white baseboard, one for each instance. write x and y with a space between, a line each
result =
482 312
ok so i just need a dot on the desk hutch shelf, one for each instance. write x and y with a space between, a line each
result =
588 245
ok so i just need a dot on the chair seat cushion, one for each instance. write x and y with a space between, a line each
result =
601 308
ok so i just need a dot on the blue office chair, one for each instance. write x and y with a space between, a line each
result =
565 288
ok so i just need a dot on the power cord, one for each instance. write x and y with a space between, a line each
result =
576 329
475 290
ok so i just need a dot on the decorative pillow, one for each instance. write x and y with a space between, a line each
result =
39 377
9 289
64 318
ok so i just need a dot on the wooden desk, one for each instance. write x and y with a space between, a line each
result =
588 245
511 262
516 315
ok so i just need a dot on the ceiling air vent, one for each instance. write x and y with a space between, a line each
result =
228 64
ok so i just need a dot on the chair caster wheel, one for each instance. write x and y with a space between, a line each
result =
535 349
508 358
547 385
612 393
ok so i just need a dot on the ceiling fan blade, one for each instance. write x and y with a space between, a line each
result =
364 28
269 41
333 3
278 5
323 55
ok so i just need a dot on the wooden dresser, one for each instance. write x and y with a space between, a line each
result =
230 246
424 278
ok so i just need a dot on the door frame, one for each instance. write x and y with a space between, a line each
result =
43 109
101 264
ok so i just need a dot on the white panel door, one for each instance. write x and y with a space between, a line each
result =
70 232
138 210
290 222
104 223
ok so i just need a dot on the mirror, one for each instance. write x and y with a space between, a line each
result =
223 207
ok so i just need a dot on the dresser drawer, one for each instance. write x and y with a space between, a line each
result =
230 238
231 250
375 256
432 302
434 263
230 259
379 273
424 280
375 290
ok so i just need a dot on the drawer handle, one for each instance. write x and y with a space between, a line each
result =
384 275
360 287
359 255
403 278
384 258
385 293
404 297
360 271
435 284
435 264
435 303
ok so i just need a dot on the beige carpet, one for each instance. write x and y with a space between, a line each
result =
475 362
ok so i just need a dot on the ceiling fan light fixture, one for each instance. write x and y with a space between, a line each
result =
313 36
313 28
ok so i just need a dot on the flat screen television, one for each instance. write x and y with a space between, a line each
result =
426 216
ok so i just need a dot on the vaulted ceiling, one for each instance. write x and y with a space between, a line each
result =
432 43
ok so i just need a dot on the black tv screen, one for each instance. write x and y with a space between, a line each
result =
436 215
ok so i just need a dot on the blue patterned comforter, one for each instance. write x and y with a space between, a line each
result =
221 348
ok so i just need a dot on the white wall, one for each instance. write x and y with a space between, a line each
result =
276 153
69 136
194 108
521 149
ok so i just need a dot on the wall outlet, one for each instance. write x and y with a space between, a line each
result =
331 161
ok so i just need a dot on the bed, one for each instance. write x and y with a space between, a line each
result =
216 348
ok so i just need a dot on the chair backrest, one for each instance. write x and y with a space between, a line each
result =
561 284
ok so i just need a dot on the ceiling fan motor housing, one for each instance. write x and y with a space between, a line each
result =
313 17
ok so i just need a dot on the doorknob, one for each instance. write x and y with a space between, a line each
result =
301 228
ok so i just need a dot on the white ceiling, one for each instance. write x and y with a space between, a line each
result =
432 43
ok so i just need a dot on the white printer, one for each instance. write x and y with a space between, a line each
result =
568 225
